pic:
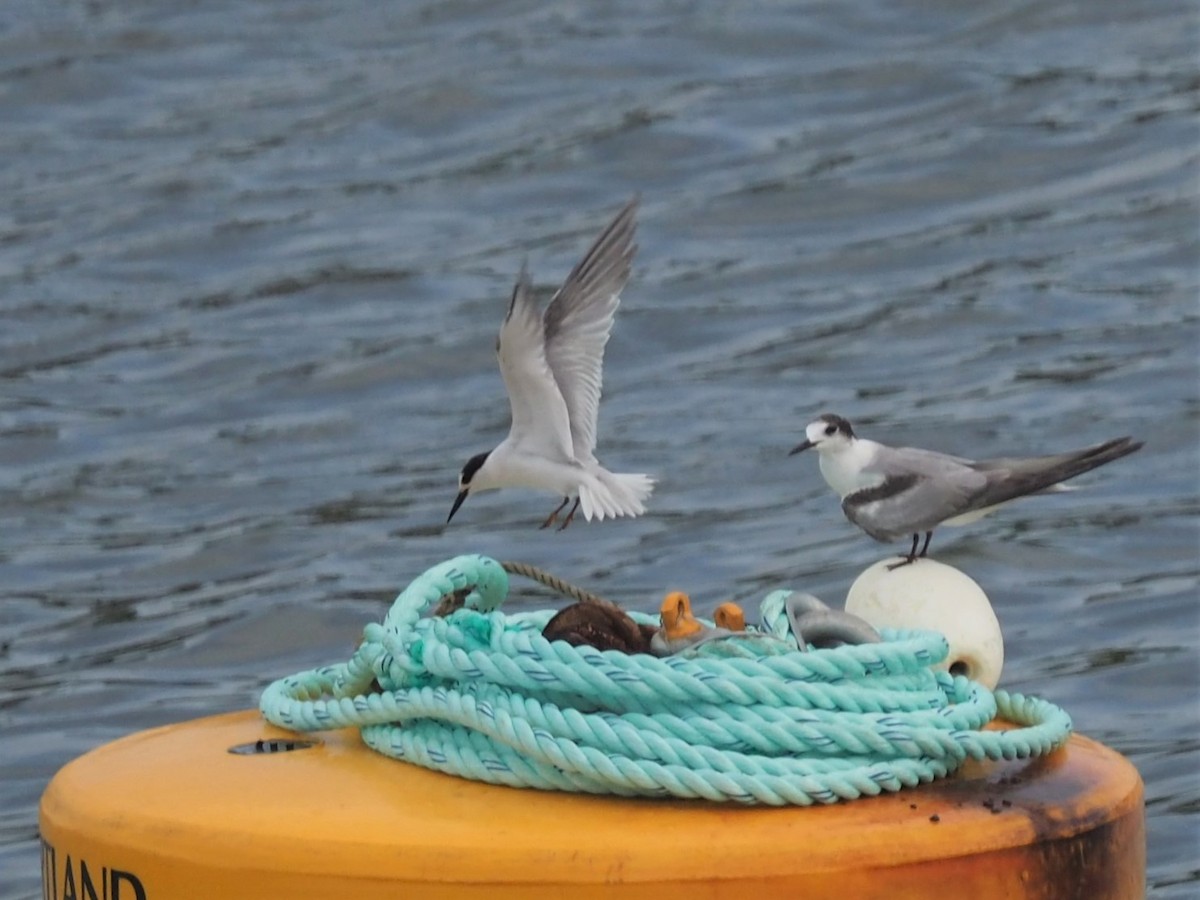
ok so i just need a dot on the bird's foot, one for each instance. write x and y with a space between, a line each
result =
570 515
913 555
550 519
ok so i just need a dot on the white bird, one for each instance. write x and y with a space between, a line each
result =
552 369
892 492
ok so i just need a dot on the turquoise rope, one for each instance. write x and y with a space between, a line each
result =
483 695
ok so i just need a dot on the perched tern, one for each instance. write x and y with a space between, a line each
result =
892 492
551 366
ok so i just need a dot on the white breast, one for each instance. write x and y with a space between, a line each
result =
844 467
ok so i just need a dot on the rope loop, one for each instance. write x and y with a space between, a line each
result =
449 682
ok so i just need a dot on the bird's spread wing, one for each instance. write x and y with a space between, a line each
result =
539 415
578 321
920 489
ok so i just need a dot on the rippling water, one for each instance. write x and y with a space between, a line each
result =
253 257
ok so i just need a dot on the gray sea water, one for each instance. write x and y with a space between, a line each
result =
253 257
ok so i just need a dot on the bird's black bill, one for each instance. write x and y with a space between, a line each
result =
458 501
800 447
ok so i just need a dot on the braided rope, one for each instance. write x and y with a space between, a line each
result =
481 694
565 588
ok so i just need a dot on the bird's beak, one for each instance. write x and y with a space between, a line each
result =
458 501
799 448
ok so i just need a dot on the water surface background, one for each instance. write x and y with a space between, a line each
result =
253 256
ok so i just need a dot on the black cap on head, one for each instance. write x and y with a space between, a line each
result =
833 425
464 482
472 466
838 423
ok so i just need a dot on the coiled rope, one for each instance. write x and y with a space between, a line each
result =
483 695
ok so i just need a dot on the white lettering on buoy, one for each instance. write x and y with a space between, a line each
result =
80 883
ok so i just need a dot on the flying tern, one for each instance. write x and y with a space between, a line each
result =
892 492
552 369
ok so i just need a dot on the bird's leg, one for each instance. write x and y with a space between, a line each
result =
570 515
912 554
924 546
554 515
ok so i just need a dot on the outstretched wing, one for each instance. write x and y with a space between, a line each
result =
578 322
540 422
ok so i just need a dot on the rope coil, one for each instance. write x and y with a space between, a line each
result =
483 695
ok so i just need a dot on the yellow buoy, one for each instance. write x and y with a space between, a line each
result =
171 813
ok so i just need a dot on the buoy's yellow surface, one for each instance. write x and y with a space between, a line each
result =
170 814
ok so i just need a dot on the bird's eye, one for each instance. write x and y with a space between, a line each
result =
830 430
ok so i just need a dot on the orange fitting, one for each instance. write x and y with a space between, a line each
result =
730 617
677 619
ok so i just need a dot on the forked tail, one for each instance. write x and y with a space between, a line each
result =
610 495
1012 478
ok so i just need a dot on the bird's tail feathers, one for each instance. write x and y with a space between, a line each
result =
612 495
637 488
1059 489
1045 474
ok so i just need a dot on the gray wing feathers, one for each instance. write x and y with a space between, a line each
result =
922 488
915 500
539 415
1011 478
578 322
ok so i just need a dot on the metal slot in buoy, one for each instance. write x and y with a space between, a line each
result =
271 746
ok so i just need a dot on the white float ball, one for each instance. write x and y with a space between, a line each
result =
931 595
